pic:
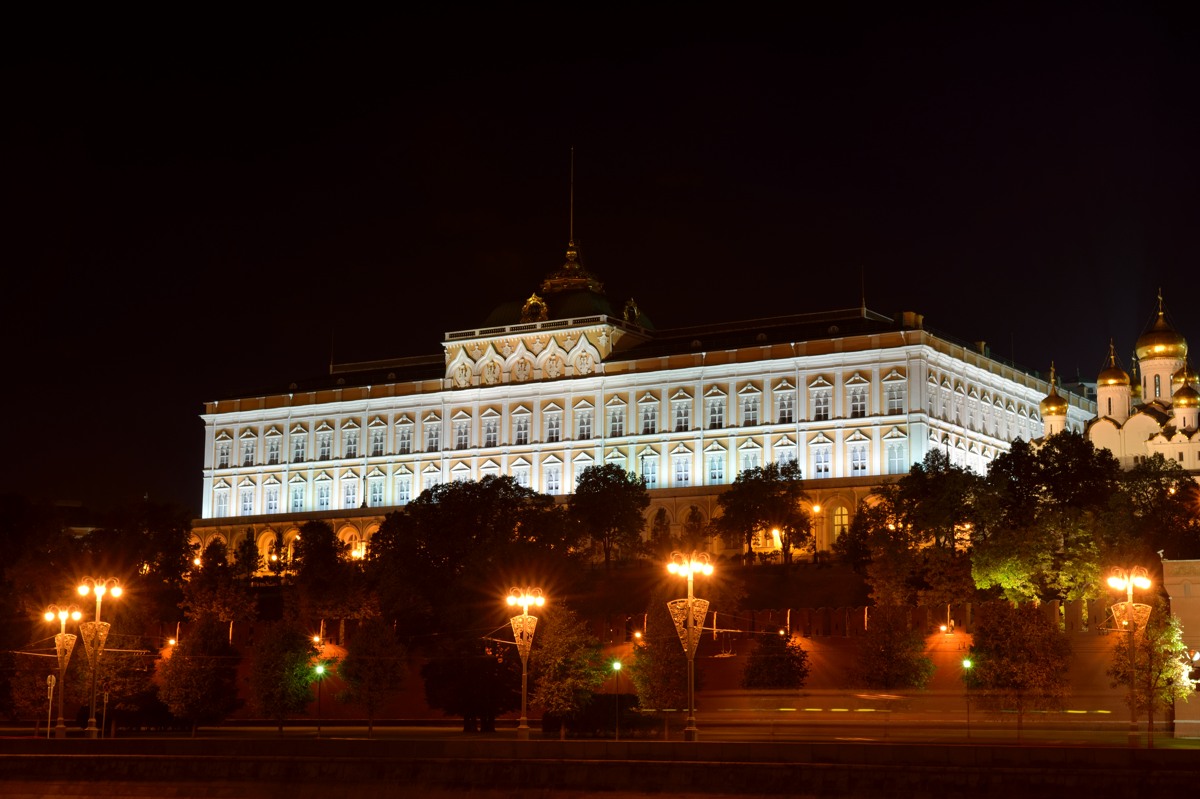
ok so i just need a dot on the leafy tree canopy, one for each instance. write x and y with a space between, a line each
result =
607 506
763 499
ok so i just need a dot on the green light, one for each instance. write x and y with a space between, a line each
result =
320 669
967 663
616 665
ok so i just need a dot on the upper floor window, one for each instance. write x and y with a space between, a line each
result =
272 497
248 453
716 468
375 492
822 457
683 416
553 479
521 475
351 443
896 457
649 420
376 442
404 489
297 502
298 447
650 470
749 460
683 469
787 408
324 495
895 397
324 446
522 429
858 460
750 409
350 494
247 495
491 432
404 438
223 455
272 451
221 503
554 427
716 413
584 419
858 402
433 436
462 434
822 399
785 455
616 422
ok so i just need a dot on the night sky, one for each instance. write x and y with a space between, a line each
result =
201 208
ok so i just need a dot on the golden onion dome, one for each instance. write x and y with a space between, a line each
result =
1053 404
1186 376
1161 340
1112 375
1186 397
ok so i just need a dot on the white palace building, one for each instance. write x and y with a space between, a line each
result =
550 385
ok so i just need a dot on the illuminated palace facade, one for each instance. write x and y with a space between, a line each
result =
556 383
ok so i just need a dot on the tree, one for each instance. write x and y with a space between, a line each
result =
777 662
567 666
763 499
478 682
696 533
281 672
1152 665
659 667
607 505
214 594
1020 658
1044 513
891 654
373 668
247 562
198 681
662 543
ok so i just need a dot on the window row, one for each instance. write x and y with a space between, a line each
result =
676 469
465 430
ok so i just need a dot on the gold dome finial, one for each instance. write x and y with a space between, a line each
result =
1053 404
1161 340
1112 375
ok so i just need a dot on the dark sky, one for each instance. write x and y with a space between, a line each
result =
197 208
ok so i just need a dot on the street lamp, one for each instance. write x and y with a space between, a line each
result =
320 670
967 666
96 633
688 615
1129 616
63 645
523 627
616 667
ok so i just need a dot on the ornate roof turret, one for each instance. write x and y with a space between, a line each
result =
1053 404
1161 340
1112 375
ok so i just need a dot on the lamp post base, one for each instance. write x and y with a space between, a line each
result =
691 734
523 732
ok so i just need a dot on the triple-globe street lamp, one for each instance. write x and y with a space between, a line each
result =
688 615
63 645
523 627
96 633
1129 616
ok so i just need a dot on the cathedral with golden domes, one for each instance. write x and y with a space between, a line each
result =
1157 411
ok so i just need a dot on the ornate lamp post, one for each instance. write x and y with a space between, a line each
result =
967 666
1129 616
63 645
688 615
523 627
95 633
320 672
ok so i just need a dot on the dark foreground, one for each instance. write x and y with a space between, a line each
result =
329 768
